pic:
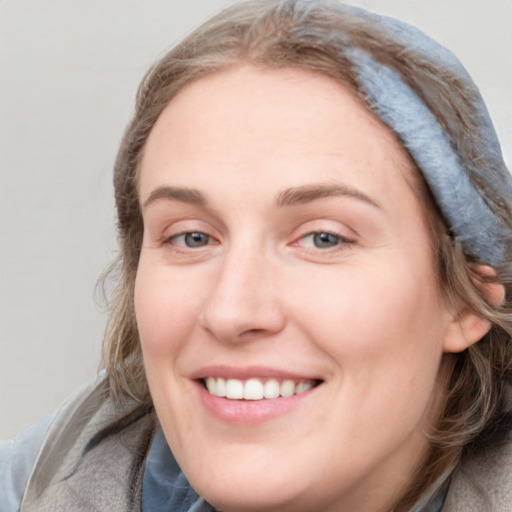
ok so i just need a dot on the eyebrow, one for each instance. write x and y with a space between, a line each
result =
184 195
308 193
290 197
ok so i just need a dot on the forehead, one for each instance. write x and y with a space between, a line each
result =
287 121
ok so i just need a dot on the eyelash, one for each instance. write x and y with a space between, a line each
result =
315 236
334 240
172 239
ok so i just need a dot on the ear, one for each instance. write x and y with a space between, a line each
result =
466 327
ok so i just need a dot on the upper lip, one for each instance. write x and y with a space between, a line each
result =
248 372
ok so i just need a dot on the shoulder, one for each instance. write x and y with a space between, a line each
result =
17 457
93 455
483 482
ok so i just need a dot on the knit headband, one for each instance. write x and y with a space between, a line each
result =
469 217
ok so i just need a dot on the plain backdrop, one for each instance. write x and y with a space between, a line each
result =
68 75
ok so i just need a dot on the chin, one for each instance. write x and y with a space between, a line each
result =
253 497
245 489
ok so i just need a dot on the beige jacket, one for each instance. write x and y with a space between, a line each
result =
483 484
93 459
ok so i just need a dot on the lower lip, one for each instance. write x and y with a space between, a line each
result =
249 412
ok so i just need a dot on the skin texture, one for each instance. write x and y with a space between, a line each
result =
365 315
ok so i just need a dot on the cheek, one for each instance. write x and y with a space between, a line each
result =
379 307
383 328
165 309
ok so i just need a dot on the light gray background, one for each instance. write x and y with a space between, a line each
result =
68 74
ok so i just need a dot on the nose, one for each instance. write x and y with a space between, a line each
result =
244 302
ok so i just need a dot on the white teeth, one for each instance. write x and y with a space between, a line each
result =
271 389
210 385
215 386
256 389
234 389
302 387
253 390
221 387
287 388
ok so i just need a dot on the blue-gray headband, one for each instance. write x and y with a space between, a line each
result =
481 232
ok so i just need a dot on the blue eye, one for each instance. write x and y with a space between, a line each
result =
192 240
325 240
322 240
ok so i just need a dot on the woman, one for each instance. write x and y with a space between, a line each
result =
312 310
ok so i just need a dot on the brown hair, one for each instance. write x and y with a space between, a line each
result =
311 36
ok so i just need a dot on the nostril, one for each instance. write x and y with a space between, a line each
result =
249 332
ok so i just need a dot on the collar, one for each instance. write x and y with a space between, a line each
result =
165 487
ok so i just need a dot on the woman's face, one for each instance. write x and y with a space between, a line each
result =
285 252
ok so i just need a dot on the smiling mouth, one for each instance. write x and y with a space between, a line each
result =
257 389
